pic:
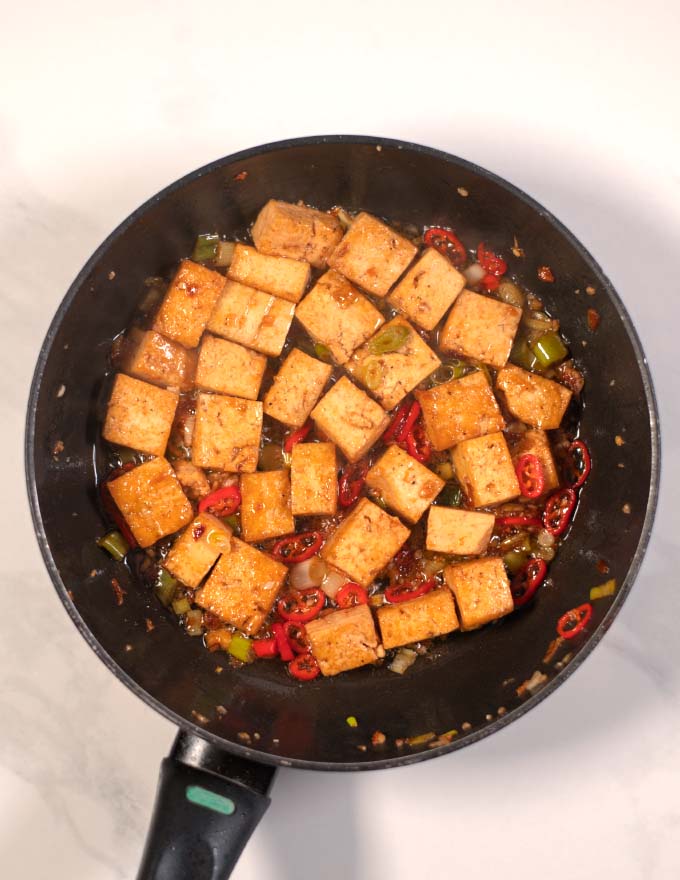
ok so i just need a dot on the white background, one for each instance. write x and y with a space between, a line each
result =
577 103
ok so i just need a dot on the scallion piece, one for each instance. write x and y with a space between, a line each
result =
523 356
114 544
166 586
225 253
181 606
389 340
515 559
549 350
194 622
455 369
372 373
205 249
606 589
240 647
323 352
451 495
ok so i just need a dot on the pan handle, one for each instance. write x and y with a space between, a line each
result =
208 804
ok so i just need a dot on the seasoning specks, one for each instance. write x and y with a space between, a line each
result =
221 711
462 192
58 449
590 290
378 148
626 508
545 273
378 738
61 391
243 736
516 249
149 624
200 718
466 726
619 440
111 275
242 175
351 721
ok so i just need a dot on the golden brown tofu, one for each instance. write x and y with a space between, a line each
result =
252 318
139 415
338 316
482 590
158 360
349 418
197 549
532 399
433 614
243 587
344 640
192 479
460 410
229 368
535 442
364 542
188 304
403 483
484 469
389 377
227 433
296 388
151 501
280 276
314 479
481 328
295 231
265 505
460 532
372 255
428 289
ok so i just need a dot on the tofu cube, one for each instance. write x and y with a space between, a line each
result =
252 318
151 500
153 358
535 442
188 304
484 469
192 479
481 328
265 505
403 483
279 276
139 415
389 377
227 433
348 417
197 549
314 479
482 590
295 231
243 587
415 620
229 368
459 410
338 316
428 289
460 532
296 388
532 399
364 542
344 640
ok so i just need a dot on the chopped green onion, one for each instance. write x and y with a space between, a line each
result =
445 470
487 372
114 544
510 293
194 622
549 350
323 352
451 495
523 356
379 500
126 456
205 249
421 740
606 589
272 457
371 373
351 721
389 340
404 658
225 253
515 559
240 647
454 369
234 521
166 586
181 606
520 541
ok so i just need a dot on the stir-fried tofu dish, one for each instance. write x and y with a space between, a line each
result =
338 441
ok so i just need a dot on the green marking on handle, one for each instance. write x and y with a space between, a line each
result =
211 801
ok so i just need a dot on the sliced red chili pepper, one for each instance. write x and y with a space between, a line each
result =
397 423
558 510
490 282
574 621
301 606
409 422
304 667
297 637
223 502
490 261
580 463
351 482
296 437
282 643
297 548
530 475
265 648
111 508
403 592
519 520
351 594
446 242
527 580
418 444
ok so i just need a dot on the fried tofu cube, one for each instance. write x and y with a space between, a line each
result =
314 479
243 587
153 358
535 442
428 289
188 304
336 315
390 376
372 255
364 542
484 469
295 231
481 328
482 590
192 479
348 417
459 532
296 388
459 410
280 276
532 399
265 505
151 501
227 433
197 549
229 368
415 620
344 640
403 483
252 318
139 415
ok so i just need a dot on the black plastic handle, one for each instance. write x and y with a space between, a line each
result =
208 804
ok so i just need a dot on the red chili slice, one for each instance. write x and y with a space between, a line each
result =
351 482
282 643
301 606
403 592
558 510
222 502
297 637
265 648
520 521
580 463
351 594
574 621
397 423
296 437
418 444
490 282
304 667
490 261
446 242
409 422
111 508
527 580
530 475
297 548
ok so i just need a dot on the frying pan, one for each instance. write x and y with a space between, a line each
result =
237 725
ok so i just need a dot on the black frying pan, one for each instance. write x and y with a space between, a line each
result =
213 788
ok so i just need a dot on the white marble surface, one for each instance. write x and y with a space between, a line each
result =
578 107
